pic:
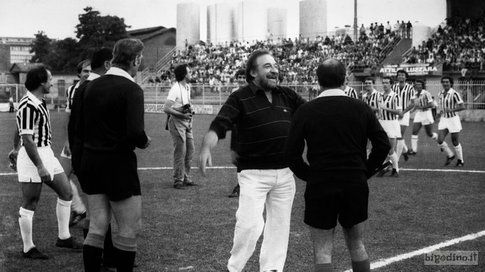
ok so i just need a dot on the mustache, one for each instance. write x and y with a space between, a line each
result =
272 76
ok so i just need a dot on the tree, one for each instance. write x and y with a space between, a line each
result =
41 47
64 56
95 31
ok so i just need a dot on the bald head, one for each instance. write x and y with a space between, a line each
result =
331 74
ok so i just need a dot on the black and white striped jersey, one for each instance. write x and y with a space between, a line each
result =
449 100
70 96
406 93
350 92
372 99
33 119
423 99
390 101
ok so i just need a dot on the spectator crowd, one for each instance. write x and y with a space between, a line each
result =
297 58
459 44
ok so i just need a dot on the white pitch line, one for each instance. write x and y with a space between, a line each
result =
443 170
232 167
398 258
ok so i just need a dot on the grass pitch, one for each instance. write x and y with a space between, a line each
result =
192 229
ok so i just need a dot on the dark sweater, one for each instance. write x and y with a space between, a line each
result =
336 130
262 127
113 115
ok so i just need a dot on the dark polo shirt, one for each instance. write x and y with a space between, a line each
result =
262 127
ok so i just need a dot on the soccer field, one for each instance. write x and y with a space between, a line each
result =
192 229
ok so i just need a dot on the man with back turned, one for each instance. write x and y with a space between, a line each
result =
336 129
113 118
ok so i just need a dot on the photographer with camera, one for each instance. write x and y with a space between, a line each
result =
179 123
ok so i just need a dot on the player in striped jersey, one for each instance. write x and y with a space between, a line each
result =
371 96
349 91
406 92
450 102
78 208
36 164
423 102
389 109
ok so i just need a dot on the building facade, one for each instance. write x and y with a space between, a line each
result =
14 50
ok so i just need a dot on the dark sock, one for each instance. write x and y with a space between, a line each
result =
325 267
108 253
361 266
85 233
92 258
124 260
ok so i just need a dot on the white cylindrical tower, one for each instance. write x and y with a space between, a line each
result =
313 18
188 24
276 23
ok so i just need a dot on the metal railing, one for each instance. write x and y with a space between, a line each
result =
473 93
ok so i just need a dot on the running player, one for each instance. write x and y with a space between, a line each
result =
450 102
405 91
371 96
389 109
423 102
349 91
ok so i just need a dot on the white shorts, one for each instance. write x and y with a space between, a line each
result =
424 117
391 127
405 120
452 124
63 153
27 171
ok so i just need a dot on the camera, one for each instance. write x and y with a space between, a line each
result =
187 108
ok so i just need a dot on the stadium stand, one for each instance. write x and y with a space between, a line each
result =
215 64
459 44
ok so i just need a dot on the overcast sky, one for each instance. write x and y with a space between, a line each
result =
58 18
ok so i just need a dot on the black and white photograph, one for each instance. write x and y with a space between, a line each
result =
242 135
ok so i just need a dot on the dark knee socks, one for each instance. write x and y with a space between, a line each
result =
361 266
92 257
108 253
93 252
124 260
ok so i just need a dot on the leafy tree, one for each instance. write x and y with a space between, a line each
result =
95 31
41 47
64 56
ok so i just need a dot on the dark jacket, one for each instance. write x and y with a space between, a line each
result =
336 130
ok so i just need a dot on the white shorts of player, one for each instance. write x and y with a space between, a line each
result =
391 127
405 120
424 117
27 171
63 153
453 124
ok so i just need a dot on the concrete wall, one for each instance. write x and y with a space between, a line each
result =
313 18
188 24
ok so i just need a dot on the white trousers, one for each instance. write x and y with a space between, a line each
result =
274 191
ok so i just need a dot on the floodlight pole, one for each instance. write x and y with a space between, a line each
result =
355 20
